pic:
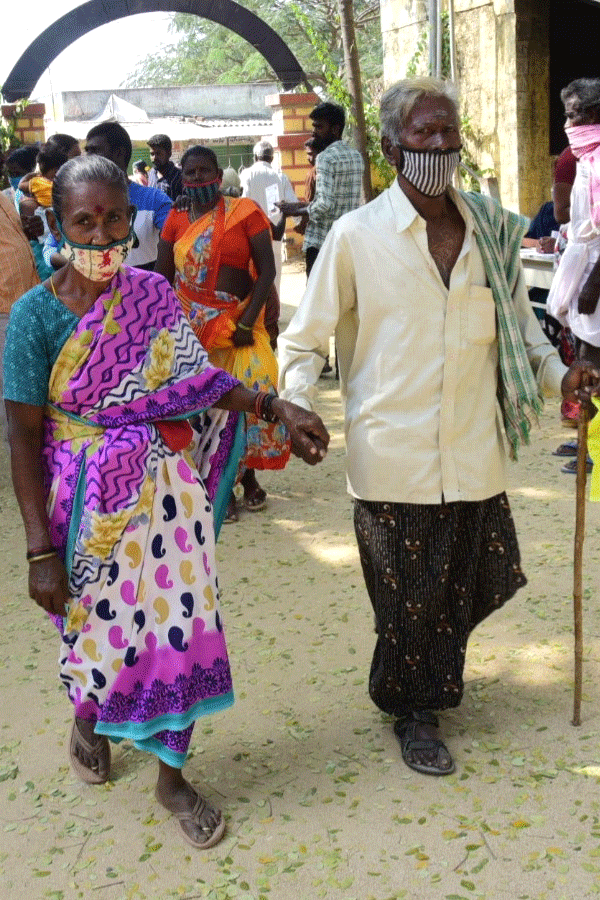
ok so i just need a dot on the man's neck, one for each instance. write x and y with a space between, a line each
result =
429 208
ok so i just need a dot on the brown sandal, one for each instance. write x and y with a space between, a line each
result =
99 750
214 834
256 499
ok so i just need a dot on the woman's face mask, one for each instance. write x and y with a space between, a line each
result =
202 192
97 262
429 171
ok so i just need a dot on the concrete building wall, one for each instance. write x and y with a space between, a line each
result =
503 78
211 101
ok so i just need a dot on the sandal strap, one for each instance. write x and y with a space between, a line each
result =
409 743
94 748
424 744
195 812
194 816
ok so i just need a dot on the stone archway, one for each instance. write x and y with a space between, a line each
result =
58 36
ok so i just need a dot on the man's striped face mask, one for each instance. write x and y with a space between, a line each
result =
429 171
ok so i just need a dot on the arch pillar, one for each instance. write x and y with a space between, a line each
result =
291 128
28 122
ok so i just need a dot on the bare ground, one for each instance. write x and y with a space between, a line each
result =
317 799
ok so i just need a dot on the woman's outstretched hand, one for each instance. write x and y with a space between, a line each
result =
49 585
309 436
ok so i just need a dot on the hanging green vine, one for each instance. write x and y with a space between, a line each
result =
338 92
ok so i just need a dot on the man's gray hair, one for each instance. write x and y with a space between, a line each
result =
587 91
262 150
400 99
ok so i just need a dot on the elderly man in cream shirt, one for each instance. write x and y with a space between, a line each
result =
424 289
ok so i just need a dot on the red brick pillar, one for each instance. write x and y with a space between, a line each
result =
28 123
291 128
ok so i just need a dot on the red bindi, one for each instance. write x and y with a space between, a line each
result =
98 209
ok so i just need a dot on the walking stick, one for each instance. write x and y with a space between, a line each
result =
582 448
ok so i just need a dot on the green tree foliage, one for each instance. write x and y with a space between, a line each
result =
204 53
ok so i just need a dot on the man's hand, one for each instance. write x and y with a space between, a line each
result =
242 337
32 226
183 203
291 209
49 585
309 436
581 382
547 244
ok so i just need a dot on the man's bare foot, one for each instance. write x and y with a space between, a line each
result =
202 825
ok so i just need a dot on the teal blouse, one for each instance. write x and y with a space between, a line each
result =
38 327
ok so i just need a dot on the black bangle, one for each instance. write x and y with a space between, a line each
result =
266 408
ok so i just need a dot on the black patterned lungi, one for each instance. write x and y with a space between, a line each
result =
432 573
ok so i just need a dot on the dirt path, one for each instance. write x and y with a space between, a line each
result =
318 801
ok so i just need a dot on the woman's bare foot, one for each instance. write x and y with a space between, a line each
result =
202 825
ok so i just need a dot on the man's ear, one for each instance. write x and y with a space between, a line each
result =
53 225
392 153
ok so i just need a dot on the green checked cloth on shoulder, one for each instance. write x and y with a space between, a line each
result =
499 233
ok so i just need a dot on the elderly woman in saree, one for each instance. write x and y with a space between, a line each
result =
125 442
218 254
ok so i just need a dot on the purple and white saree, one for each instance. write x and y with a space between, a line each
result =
143 652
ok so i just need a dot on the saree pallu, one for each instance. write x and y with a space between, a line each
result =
214 315
132 488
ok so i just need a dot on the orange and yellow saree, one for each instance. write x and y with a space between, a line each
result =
213 315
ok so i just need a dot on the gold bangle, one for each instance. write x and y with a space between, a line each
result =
42 556
244 327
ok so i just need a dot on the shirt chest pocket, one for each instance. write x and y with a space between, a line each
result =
481 316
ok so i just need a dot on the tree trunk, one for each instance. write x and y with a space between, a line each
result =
354 82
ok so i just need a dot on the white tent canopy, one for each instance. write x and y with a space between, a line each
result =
119 110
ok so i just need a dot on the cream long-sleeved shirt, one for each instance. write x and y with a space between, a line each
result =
418 361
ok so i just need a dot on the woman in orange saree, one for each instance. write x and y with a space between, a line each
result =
218 255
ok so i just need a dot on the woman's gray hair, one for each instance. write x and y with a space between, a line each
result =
85 170
400 99
587 91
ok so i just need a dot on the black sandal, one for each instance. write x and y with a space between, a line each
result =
405 730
